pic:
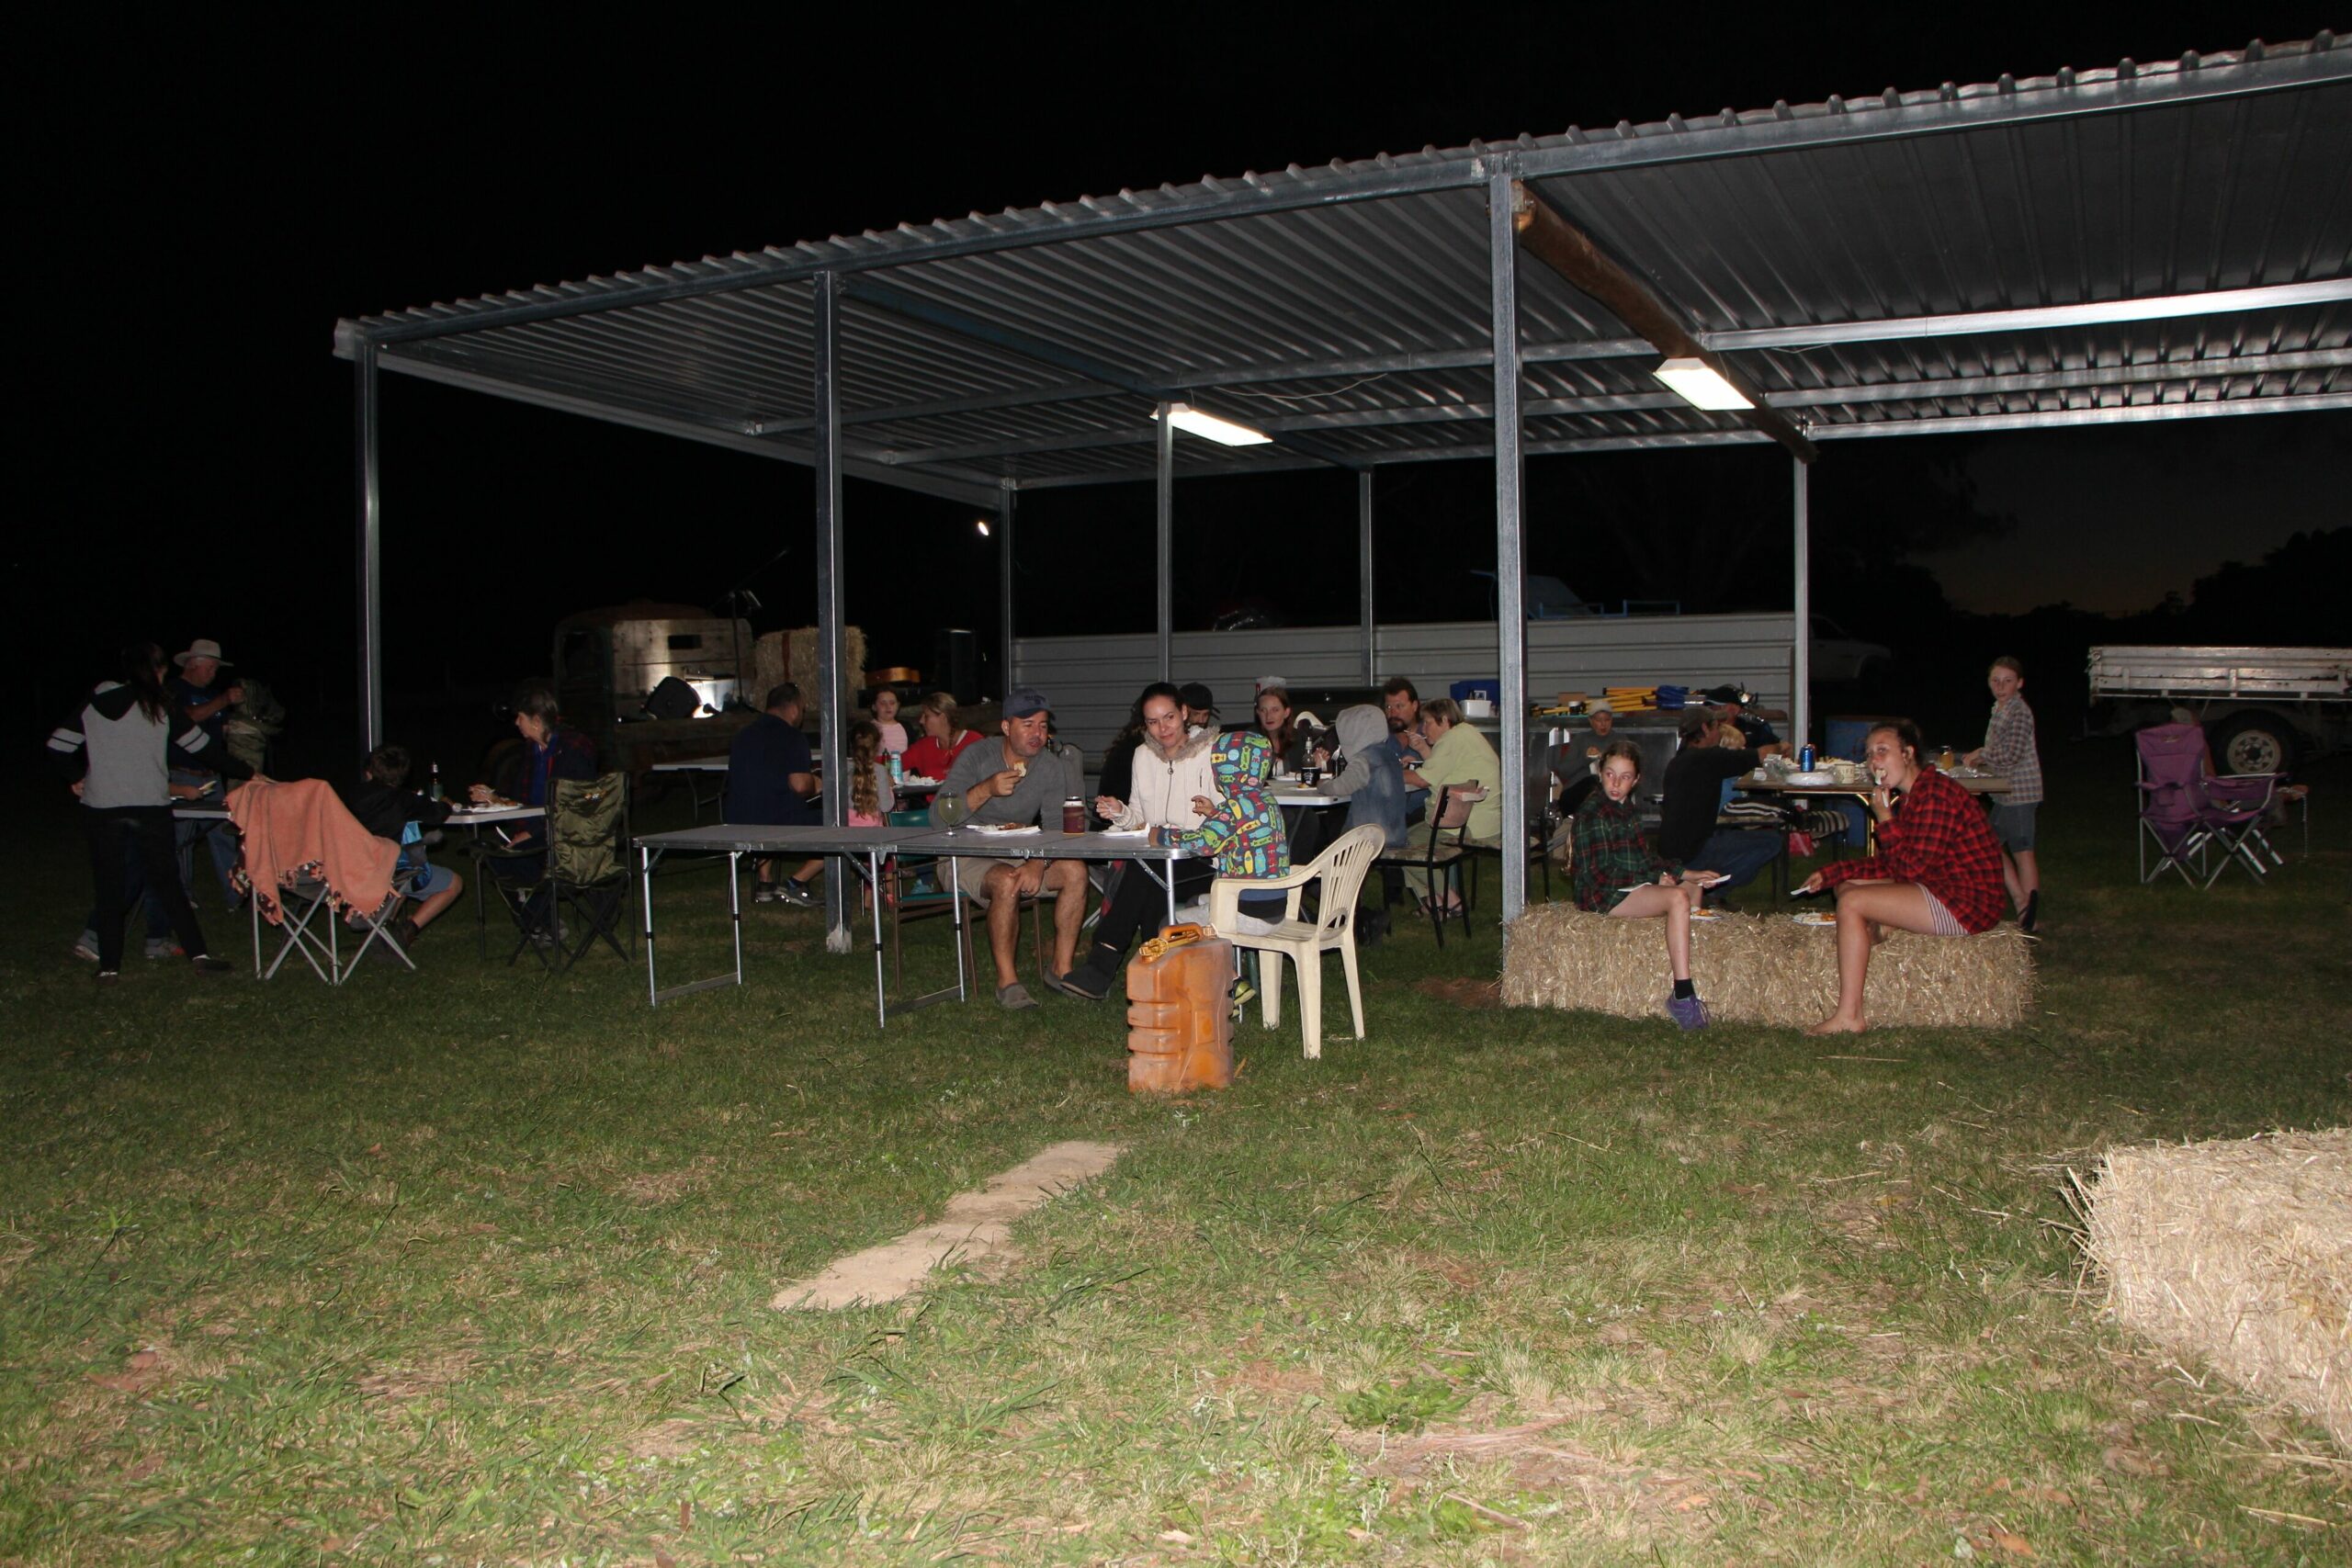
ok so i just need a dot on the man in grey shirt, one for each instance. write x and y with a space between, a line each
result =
1016 783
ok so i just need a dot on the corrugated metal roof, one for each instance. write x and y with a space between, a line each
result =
1895 264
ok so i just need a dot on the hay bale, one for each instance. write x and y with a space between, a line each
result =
800 645
2238 1251
1766 969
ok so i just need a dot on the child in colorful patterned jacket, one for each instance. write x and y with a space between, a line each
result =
1241 831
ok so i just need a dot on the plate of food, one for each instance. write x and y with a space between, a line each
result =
912 781
1706 914
1002 827
1812 776
1813 917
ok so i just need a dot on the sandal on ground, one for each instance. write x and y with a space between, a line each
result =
1067 984
1014 998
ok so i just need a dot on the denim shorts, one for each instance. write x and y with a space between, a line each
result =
2013 824
431 879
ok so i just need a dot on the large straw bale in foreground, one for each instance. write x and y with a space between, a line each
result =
2239 1251
1766 969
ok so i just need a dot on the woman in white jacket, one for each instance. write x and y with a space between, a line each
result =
1173 786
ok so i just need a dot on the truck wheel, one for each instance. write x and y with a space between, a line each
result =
2253 743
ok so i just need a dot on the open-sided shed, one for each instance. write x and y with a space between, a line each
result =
2144 242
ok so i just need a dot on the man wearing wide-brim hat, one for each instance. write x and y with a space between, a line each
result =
192 690
199 665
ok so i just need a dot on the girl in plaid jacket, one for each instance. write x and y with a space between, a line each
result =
1615 872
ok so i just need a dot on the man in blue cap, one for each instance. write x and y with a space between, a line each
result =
1021 780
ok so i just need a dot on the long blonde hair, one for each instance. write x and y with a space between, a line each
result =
865 750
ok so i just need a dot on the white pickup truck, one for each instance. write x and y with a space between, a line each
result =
2261 707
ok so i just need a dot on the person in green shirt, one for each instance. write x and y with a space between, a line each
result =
1461 762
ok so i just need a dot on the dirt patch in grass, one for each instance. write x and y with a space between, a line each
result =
427 1375
1536 1459
650 1187
1463 991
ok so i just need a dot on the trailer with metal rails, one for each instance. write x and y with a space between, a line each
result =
2262 706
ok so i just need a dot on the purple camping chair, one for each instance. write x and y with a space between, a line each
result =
2232 820
2172 759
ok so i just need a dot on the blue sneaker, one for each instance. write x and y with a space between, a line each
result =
1688 1012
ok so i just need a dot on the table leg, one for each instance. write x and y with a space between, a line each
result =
1167 881
735 907
645 897
956 907
873 889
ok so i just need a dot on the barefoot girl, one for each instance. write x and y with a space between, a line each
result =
1938 871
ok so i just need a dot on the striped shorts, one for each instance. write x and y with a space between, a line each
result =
1940 921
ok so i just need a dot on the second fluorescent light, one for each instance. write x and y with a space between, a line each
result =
1192 420
1697 383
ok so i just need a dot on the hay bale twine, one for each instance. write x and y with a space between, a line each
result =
1764 969
2238 1251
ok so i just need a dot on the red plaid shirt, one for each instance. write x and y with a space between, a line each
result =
1939 838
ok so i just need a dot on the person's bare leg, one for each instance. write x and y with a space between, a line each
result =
1864 909
2028 877
1004 921
1068 879
430 909
1649 903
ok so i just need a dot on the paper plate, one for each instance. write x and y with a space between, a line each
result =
1815 777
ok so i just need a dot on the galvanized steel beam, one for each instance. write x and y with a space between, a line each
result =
1364 618
1927 114
832 693
1801 644
1007 498
1164 538
2039 317
979 490
1510 535
370 551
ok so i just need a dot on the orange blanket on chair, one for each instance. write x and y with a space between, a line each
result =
303 829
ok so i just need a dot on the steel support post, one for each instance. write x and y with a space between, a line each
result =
371 586
1005 677
1801 643
1164 559
1364 579
1511 534
832 687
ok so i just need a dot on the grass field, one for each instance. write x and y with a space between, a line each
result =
472 1264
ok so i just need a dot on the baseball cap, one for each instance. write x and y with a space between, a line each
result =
1024 701
1197 695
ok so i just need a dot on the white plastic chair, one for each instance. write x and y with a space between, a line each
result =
1342 869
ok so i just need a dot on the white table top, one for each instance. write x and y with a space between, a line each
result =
691 765
1045 843
484 816
1306 797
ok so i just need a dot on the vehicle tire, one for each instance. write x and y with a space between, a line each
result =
2253 743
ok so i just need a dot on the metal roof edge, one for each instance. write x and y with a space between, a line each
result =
977 491
2259 68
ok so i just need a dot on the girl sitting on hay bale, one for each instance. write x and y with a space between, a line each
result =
1610 856
1938 871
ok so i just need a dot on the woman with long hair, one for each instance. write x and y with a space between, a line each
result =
118 751
871 794
1616 872
1938 870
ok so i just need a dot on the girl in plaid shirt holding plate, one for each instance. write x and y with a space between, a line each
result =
1938 871
1615 873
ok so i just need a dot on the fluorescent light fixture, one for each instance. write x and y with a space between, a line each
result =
982 524
1697 383
1185 417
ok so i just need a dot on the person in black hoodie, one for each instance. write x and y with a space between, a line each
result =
118 750
379 802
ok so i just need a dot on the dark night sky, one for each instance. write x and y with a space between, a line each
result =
207 201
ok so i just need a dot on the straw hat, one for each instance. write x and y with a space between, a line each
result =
202 648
